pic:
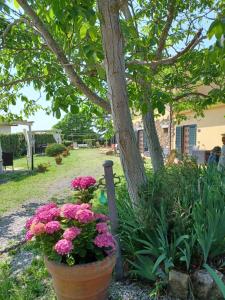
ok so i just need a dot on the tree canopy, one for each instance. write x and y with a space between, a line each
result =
76 127
165 42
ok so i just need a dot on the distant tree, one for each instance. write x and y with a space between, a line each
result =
76 127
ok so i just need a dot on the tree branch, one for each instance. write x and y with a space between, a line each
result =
165 31
177 98
75 79
27 79
170 60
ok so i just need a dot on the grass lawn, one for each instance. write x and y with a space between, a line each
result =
22 186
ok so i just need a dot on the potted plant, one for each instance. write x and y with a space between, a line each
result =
79 250
84 187
58 160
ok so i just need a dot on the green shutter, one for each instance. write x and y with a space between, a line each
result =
192 136
179 138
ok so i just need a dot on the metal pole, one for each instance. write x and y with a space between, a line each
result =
110 187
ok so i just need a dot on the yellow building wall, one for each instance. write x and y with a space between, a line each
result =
209 128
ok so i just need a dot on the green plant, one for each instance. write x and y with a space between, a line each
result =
58 160
216 278
54 149
42 168
31 283
179 222
71 234
84 187
67 143
143 268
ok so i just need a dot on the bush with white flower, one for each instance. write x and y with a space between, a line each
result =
71 234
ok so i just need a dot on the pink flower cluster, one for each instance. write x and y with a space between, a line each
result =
104 240
63 247
102 227
71 233
83 182
61 226
81 213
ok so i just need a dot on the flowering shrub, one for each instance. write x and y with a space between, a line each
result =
71 234
84 187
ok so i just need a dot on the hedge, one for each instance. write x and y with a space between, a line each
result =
16 142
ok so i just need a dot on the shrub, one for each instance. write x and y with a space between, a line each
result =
178 224
42 168
67 143
54 149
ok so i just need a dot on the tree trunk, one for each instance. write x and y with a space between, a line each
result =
115 70
153 140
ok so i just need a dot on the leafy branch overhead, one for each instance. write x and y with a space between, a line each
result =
167 43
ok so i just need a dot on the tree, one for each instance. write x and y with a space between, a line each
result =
76 127
42 38
64 57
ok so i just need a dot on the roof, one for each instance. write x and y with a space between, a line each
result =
16 123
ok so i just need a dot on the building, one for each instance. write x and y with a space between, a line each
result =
201 133
5 129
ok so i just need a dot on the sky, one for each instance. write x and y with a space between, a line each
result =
42 121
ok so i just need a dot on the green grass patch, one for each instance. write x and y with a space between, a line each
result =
20 187
33 283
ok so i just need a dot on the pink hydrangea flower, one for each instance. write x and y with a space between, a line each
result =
83 182
55 212
84 215
52 227
85 206
45 216
104 240
37 229
45 207
71 233
69 210
29 235
32 220
102 227
63 247
101 217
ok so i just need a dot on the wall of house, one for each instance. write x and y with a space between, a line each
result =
5 129
209 128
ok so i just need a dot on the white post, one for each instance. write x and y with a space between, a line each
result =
28 137
1 162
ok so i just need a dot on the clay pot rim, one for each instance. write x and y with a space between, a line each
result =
98 262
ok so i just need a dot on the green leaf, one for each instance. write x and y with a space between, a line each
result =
158 262
216 278
93 33
16 4
46 71
83 30
58 114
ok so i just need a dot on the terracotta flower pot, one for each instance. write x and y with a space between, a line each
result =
82 282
